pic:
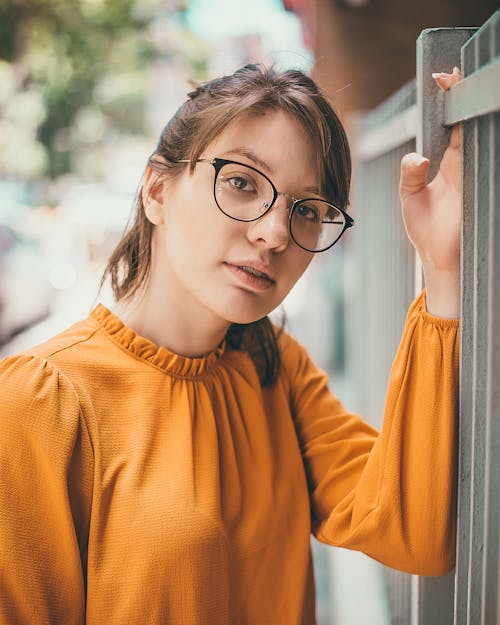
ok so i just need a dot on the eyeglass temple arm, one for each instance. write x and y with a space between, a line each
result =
198 160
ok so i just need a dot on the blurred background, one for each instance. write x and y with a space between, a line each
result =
85 88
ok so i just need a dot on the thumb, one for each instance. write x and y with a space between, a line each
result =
413 170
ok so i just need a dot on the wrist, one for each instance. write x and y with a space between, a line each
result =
442 293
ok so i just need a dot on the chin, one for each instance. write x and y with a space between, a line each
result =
241 306
248 314
244 318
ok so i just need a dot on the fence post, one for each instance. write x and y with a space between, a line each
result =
477 579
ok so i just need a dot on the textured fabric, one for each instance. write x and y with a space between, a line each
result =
143 487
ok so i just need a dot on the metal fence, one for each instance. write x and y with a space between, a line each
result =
417 117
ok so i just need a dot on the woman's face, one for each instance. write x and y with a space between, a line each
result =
210 264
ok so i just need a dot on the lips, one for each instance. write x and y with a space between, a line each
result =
255 272
257 276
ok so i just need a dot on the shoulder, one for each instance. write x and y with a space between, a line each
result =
83 352
40 378
68 343
28 375
38 404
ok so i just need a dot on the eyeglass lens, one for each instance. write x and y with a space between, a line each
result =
245 194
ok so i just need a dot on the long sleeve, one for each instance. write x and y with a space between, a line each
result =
390 495
45 496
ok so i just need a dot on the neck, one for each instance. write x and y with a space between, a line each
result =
173 326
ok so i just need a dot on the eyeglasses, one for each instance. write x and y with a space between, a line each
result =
244 193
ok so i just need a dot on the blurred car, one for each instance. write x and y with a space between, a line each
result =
25 289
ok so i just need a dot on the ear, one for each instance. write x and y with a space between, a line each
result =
152 196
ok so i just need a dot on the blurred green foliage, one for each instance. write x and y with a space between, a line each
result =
70 73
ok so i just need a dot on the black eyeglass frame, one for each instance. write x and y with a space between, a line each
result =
218 164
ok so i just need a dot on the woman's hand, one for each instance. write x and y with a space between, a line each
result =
432 215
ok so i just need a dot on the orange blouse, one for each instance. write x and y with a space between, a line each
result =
141 487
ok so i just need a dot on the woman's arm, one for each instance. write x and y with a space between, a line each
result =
390 495
46 469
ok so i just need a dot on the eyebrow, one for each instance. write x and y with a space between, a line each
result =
243 151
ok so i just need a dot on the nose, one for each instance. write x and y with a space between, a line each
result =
272 229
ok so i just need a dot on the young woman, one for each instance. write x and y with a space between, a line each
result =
166 461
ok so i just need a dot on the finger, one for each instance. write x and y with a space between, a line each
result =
413 170
456 137
450 167
445 81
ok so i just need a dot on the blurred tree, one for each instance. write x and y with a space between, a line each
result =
83 63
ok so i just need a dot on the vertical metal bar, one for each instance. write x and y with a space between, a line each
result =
478 519
466 369
392 295
434 601
480 306
438 49
494 368
480 500
492 429
475 309
492 512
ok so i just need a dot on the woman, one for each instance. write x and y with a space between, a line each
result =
166 462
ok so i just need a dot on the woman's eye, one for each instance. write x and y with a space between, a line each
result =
240 183
308 212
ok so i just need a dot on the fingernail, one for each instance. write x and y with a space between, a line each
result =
418 159
436 75
457 70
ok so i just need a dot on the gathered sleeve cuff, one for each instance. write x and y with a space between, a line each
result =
46 478
391 495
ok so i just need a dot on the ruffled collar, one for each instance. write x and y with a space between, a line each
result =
161 357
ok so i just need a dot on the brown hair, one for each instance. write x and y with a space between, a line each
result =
210 107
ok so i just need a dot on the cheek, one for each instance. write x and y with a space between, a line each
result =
200 238
297 262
